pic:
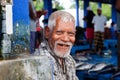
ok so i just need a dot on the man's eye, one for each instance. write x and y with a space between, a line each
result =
71 34
59 32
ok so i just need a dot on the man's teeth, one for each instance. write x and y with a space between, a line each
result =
64 45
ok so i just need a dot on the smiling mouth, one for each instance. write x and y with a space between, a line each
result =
63 45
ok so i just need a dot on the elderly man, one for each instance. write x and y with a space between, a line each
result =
60 37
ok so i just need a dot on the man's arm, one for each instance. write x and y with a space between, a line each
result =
31 13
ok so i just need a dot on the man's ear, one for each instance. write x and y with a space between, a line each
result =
47 32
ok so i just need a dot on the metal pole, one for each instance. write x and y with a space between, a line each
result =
48 6
118 46
86 4
77 12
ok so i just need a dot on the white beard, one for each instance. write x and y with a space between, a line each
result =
59 53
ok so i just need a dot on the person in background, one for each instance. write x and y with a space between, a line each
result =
38 34
34 18
99 22
60 37
113 31
90 27
79 37
45 22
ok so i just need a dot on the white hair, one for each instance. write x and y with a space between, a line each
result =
65 16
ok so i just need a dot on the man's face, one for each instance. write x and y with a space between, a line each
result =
62 38
99 12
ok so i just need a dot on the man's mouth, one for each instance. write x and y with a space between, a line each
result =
63 45
62 49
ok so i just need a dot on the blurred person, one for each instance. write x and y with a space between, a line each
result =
107 33
45 22
38 34
79 37
113 31
34 18
90 27
60 37
99 22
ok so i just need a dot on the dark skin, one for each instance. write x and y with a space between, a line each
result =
99 12
117 5
32 15
39 13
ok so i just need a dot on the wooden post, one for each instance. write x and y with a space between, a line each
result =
77 12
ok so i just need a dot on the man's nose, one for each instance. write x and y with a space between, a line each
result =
65 37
